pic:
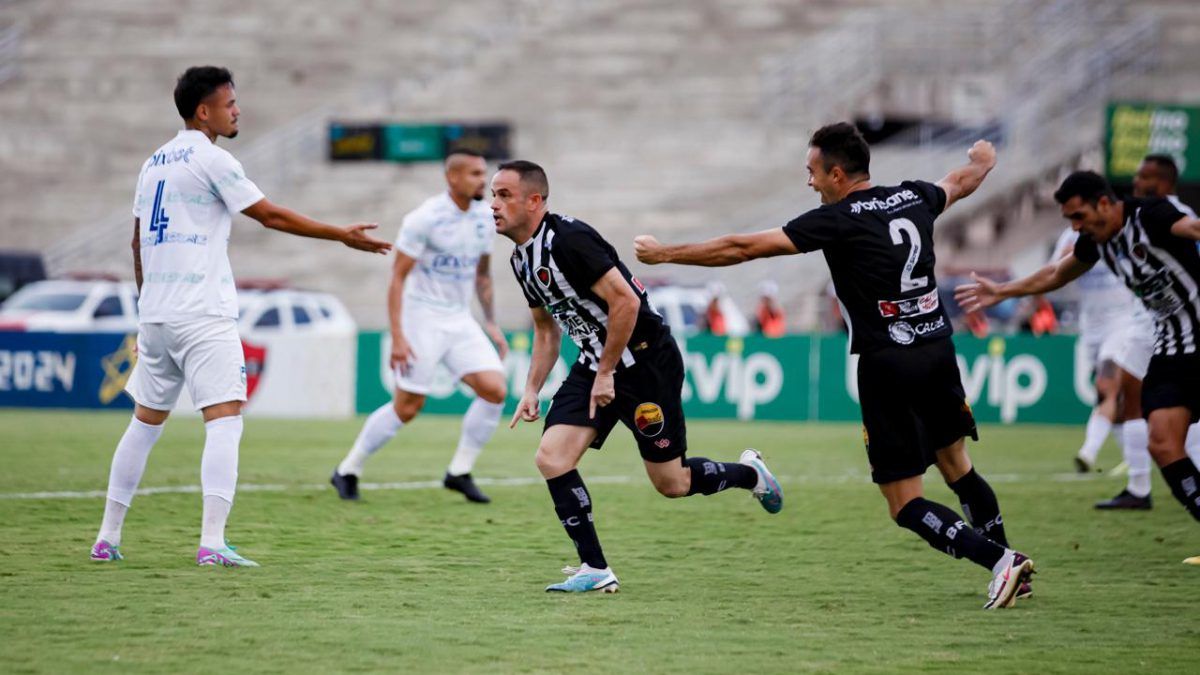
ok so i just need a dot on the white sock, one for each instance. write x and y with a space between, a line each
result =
218 476
379 428
1098 427
478 425
212 528
128 463
1137 456
1005 561
1193 443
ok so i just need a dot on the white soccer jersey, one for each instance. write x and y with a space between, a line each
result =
1105 304
186 196
446 243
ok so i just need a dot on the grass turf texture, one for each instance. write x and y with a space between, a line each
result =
419 580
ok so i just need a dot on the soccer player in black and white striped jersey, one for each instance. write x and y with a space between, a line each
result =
629 369
1151 246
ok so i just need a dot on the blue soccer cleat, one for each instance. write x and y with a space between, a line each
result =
225 556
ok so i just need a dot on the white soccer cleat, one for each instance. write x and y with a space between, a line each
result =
586 578
767 490
1002 592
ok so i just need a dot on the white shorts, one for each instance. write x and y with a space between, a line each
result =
454 340
1130 348
205 353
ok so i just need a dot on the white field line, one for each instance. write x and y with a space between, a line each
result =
854 477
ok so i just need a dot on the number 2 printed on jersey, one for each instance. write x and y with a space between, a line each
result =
898 228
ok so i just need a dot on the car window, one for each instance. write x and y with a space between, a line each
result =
47 302
690 317
109 306
300 315
268 318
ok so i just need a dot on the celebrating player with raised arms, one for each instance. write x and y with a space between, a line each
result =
878 242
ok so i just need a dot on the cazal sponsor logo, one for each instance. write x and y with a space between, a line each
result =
884 204
911 307
162 158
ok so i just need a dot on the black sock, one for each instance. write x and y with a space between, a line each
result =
573 505
980 506
945 531
1184 480
709 477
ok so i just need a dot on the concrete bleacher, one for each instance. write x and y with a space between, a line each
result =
650 117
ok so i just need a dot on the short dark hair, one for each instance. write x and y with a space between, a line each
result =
1167 164
531 174
1087 185
841 144
195 84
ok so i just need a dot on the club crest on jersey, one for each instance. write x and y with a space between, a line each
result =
1139 252
902 333
542 274
648 418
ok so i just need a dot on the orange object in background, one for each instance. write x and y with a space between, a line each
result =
977 323
1043 321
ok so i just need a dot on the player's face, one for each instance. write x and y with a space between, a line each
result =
819 179
219 111
467 177
1148 181
511 207
1096 221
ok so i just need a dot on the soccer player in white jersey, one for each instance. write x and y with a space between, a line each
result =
187 193
443 256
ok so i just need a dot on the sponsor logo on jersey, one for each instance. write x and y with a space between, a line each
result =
884 204
927 327
911 307
542 274
662 443
648 418
164 157
1139 251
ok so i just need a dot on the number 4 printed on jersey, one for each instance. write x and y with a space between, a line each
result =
906 226
158 217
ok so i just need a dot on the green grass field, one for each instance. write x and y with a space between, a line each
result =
415 579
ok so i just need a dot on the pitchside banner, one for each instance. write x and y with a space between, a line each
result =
800 377
65 370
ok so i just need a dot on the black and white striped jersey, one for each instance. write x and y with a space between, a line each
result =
1162 269
557 268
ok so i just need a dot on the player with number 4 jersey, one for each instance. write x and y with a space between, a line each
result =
878 241
187 193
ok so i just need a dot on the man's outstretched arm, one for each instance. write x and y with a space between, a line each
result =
730 249
286 220
984 293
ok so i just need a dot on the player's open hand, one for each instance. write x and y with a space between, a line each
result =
529 409
497 336
603 393
983 152
402 354
648 249
355 236
980 294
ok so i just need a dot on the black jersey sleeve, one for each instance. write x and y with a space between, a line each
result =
1158 216
583 257
814 230
931 193
1086 250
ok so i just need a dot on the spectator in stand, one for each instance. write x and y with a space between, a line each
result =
769 314
714 318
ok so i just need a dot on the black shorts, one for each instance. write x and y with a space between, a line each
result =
1171 382
913 405
647 401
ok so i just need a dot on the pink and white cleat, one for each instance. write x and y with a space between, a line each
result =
102 551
